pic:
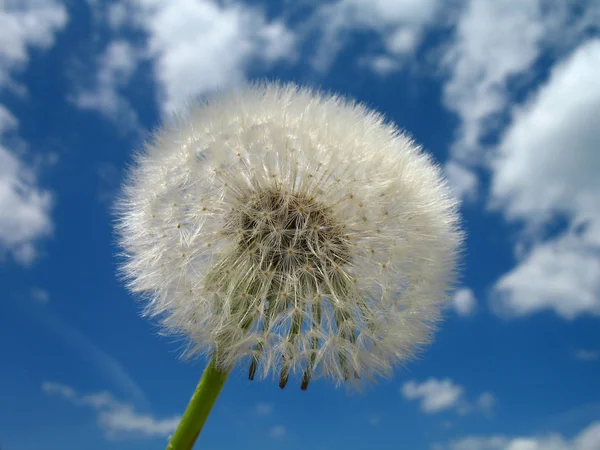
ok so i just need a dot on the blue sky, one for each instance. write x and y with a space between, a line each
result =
503 93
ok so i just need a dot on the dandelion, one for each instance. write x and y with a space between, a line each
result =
291 232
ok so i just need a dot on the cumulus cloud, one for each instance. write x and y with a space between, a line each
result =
561 275
399 23
25 24
196 48
555 139
493 53
24 207
496 46
202 46
587 439
434 395
547 166
7 120
116 418
494 42
464 302
443 395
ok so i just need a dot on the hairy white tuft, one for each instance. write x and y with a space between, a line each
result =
296 231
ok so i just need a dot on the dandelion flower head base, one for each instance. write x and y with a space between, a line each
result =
292 232
295 240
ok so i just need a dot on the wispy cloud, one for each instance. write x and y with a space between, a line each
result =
277 432
486 401
116 418
103 363
108 182
463 181
587 439
26 24
374 419
39 295
230 36
115 67
400 25
587 355
483 404
263 409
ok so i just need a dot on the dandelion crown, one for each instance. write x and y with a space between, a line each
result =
291 231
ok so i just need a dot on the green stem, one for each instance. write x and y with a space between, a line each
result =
198 408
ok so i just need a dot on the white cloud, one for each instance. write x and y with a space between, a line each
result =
7 120
562 275
495 48
118 15
400 23
547 165
264 409
462 179
202 46
39 295
434 395
196 48
124 419
94 357
587 439
62 390
115 417
486 402
115 68
277 432
443 395
375 419
495 40
381 64
108 182
24 24
464 302
24 207
548 159
587 355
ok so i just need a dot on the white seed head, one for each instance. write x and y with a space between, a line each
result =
296 231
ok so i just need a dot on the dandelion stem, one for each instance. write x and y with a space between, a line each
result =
198 408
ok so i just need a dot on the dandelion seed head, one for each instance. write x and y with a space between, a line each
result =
292 231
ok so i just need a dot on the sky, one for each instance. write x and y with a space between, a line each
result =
503 94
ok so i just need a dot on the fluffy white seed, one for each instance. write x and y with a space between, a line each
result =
292 230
